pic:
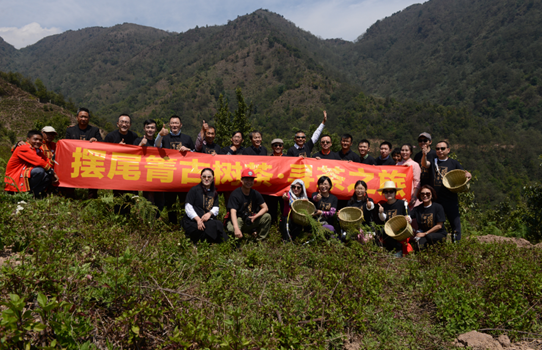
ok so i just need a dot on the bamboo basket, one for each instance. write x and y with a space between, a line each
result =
350 216
456 181
299 205
398 228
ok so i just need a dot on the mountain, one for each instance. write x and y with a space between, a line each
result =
290 76
8 54
485 55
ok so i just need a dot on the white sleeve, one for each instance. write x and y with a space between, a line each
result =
372 205
316 134
158 141
214 211
189 210
382 216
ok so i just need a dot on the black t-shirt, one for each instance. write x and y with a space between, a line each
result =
389 161
427 218
367 214
117 137
349 156
391 210
424 176
435 179
74 133
253 151
330 155
294 151
176 142
242 203
211 149
229 151
149 142
326 203
369 160
201 200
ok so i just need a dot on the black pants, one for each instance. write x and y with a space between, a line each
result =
39 181
451 209
430 239
273 204
170 198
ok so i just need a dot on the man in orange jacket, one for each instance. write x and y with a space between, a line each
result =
49 146
28 169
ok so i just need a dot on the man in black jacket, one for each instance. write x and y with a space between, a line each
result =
83 131
182 143
303 148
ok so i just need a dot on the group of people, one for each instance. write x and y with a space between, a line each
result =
31 168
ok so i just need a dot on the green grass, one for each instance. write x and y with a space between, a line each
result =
85 277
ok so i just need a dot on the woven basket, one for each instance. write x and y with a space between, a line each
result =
398 228
456 181
350 216
299 205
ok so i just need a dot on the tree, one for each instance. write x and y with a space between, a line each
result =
226 123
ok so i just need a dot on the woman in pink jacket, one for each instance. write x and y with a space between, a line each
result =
406 154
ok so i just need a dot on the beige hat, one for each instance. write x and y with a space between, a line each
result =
389 185
48 129
276 141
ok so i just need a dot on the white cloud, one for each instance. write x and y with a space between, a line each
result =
27 35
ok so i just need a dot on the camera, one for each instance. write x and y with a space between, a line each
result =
245 217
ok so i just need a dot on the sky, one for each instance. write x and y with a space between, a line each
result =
24 22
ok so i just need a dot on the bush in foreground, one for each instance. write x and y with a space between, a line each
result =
85 277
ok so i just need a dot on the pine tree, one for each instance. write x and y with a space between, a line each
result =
226 123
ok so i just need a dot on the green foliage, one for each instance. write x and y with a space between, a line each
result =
87 276
533 201
227 123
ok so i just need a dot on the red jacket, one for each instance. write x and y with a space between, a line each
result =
22 161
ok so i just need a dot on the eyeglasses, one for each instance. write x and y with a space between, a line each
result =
206 177
325 142
296 187
425 194
423 141
440 148
388 191
276 145
301 137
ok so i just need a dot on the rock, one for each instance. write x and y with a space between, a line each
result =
519 242
479 341
504 340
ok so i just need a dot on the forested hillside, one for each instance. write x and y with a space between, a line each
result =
483 55
425 62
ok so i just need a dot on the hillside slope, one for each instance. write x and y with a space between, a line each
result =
485 55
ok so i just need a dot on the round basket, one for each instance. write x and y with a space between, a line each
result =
456 181
350 216
398 228
298 206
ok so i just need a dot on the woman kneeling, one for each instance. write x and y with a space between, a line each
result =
430 217
201 208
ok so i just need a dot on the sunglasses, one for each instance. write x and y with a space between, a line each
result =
425 194
276 145
440 148
423 141
388 191
296 187
325 142
301 137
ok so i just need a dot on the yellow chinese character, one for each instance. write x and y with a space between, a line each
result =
192 174
125 164
160 169
227 172
261 175
88 163
302 172
361 175
334 175
396 177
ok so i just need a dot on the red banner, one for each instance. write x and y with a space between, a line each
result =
101 165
